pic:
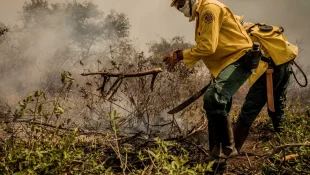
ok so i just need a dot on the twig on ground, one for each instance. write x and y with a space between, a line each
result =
278 149
197 146
250 164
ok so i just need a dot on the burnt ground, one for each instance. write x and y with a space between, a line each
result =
247 163
261 135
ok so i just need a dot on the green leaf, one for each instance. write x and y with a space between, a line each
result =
29 97
22 112
31 171
39 153
153 154
59 110
22 105
210 165
76 130
115 113
66 155
40 108
191 172
37 93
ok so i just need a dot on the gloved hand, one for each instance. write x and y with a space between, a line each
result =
173 58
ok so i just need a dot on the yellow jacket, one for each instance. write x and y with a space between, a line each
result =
274 45
220 38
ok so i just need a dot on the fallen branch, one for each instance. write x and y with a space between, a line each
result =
250 164
277 149
80 131
138 74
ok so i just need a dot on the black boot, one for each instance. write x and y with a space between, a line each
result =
228 142
241 131
222 145
223 137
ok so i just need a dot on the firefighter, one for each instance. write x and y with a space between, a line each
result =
221 43
275 65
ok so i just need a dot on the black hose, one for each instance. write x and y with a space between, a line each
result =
303 73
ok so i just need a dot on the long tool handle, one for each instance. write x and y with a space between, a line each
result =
189 101
270 97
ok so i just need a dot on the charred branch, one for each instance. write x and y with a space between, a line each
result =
120 76
125 75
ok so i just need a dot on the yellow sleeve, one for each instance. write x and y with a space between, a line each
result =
210 22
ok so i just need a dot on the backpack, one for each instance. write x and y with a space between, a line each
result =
273 41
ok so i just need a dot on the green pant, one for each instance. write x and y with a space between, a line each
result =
217 104
218 97
257 96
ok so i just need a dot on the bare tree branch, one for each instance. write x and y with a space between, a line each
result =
138 74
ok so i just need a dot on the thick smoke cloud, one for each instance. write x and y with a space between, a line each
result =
53 39
27 54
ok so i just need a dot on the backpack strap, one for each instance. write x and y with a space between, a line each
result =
264 28
280 31
249 30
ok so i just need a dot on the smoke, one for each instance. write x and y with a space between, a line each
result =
72 37
27 54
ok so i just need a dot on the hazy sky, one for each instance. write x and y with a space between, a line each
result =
153 19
